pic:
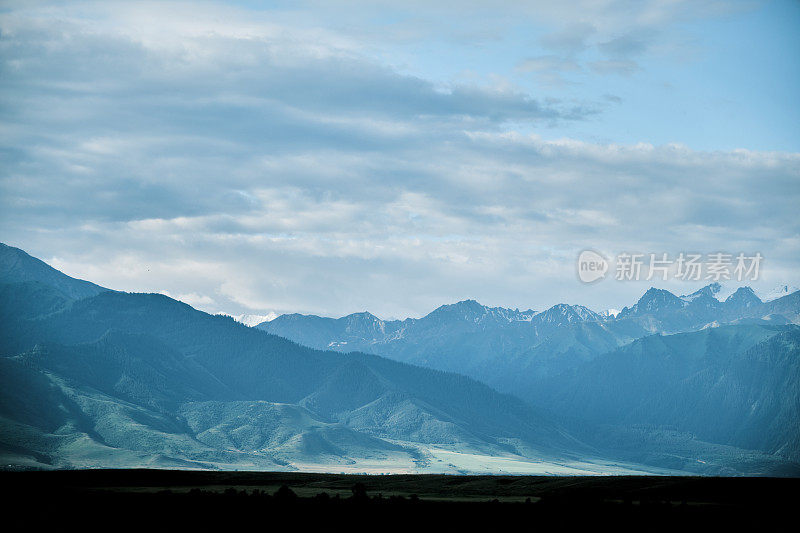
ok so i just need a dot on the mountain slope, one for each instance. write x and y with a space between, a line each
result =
518 352
17 266
145 379
698 388
118 379
733 385
464 337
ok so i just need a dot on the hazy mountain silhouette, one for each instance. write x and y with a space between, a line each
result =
17 266
513 351
670 371
92 377
734 385
142 377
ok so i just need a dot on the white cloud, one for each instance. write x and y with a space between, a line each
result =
195 300
253 165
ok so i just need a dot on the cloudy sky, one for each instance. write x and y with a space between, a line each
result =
333 157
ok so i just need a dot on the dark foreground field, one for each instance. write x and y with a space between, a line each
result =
114 500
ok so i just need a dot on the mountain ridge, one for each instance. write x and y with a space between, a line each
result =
16 266
123 379
499 345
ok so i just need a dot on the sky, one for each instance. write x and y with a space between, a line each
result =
336 157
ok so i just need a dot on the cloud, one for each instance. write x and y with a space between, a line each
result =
257 166
549 69
624 46
574 20
569 40
621 52
123 115
622 67
618 31
193 299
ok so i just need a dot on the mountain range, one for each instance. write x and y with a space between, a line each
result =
673 373
515 351
93 377
107 378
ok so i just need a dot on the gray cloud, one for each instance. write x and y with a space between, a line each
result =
623 67
266 169
569 40
618 31
624 46
549 69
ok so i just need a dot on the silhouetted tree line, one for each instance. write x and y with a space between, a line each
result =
209 508
284 495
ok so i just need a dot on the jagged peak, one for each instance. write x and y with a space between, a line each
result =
474 311
468 303
653 299
293 316
743 291
743 294
363 315
654 294
565 312
470 306
709 291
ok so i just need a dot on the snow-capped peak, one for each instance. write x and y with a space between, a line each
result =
779 292
472 311
251 319
716 290
565 314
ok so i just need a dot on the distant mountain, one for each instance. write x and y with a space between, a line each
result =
120 379
733 385
659 310
535 357
785 306
249 319
714 290
563 314
722 290
743 300
464 337
470 311
656 302
663 312
779 292
514 350
17 266
117 379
